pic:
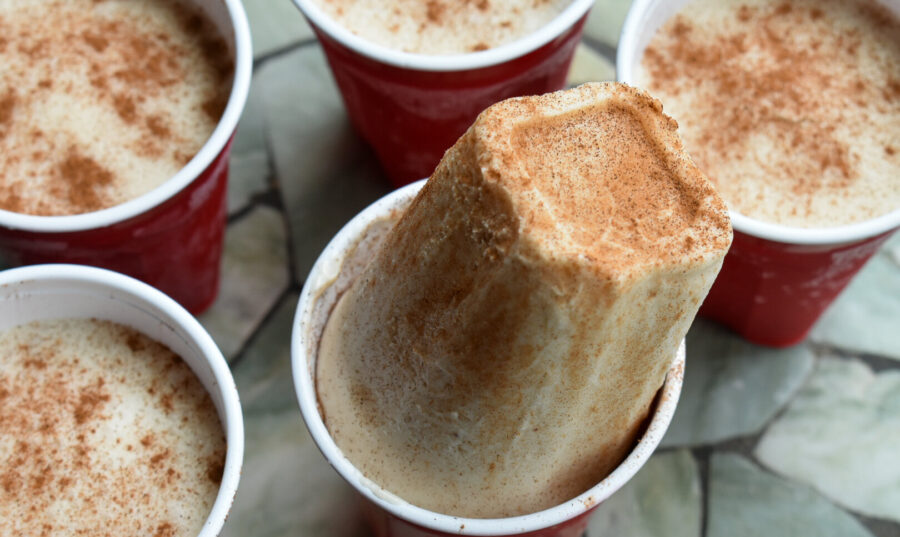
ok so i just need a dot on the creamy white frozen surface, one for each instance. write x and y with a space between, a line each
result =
442 26
105 432
102 101
502 350
792 108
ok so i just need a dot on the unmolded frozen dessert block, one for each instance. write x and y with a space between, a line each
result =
502 350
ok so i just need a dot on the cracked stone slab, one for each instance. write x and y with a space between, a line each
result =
254 275
746 501
249 167
732 388
325 171
604 24
247 176
589 66
264 374
664 498
841 435
864 317
275 25
287 487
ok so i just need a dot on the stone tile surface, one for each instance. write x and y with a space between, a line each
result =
275 24
325 172
287 487
745 501
248 177
841 434
589 65
604 24
254 275
662 499
249 169
865 317
732 388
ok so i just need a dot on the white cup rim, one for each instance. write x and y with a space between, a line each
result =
323 273
224 381
201 161
627 56
445 62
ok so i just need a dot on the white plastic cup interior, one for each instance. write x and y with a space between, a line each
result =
445 62
304 343
643 20
229 18
42 292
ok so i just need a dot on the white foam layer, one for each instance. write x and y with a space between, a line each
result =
101 102
791 108
105 431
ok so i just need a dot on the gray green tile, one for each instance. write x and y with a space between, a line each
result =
589 66
732 388
664 498
864 318
249 165
248 177
841 434
605 21
264 373
275 24
254 275
325 171
745 501
287 487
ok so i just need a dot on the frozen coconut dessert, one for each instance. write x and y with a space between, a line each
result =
792 108
502 349
104 432
442 26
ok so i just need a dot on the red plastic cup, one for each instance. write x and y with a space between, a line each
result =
776 280
170 237
387 514
412 107
45 292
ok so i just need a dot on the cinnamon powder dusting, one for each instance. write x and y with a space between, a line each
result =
7 105
435 11
784 97
442 26
125 85
80 455
80 181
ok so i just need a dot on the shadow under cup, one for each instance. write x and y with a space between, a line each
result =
410 108
387 515
776 280
170 237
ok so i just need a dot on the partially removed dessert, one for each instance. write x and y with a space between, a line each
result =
500 353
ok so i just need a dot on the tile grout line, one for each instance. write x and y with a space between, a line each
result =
271 197
877 362
281 51
248 343
277 194
702 456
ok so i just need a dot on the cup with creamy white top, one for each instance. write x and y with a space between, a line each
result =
792 108
120 413
116 120
497 350
413 75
